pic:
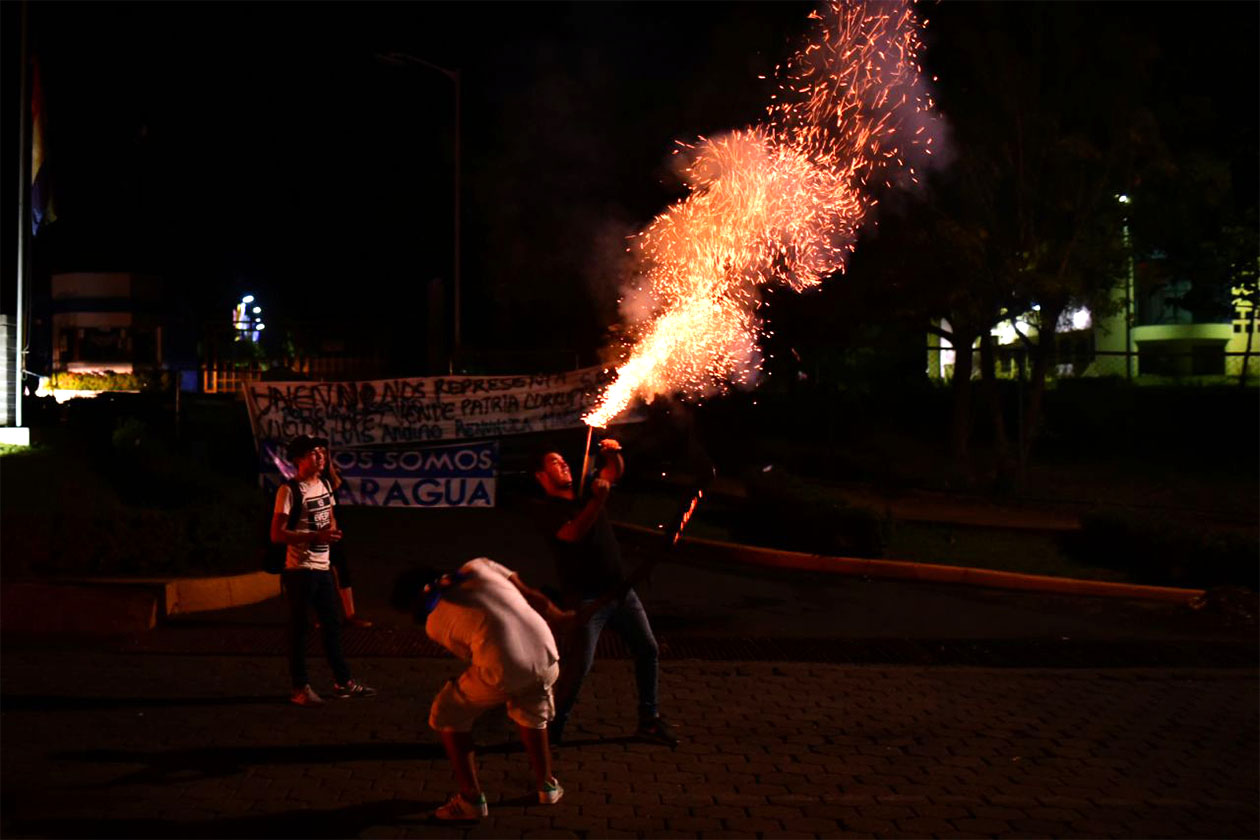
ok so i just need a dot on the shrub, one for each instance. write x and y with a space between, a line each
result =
785 512
1161 552
154 380
149 512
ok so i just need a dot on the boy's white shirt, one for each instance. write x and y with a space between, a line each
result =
318 500
486 621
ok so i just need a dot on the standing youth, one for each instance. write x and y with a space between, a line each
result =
307 579
588 563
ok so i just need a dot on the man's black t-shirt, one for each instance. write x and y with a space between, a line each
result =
592 565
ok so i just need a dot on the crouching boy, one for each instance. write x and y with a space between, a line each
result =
484 614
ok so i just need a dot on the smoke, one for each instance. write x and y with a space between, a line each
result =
609 264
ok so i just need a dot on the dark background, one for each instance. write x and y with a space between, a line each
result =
262 147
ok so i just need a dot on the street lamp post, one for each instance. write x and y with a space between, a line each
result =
399 59
1128 292
24 224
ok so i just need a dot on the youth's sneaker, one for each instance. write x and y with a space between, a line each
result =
550 793
657 731
459 808
356 621
305 696
354 688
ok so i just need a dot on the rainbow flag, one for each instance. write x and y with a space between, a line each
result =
42 209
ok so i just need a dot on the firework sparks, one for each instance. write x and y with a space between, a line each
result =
779 203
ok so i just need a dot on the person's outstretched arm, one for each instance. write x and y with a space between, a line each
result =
578 526
542 604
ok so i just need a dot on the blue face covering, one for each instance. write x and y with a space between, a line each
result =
434 591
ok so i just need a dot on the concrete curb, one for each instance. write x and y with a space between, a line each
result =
123 605
189 595
935 573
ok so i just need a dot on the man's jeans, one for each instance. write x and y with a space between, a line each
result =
630 622
308 588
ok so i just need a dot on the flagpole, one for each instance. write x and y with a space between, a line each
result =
24 220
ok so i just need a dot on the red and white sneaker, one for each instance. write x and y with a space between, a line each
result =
354 688
305 696
457 808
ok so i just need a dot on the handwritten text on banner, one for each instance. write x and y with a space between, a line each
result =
422 410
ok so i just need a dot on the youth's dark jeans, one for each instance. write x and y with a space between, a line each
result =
629 621
308 588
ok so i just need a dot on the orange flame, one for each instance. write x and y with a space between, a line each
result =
777 203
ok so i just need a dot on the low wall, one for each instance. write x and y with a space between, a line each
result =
123 605
189 595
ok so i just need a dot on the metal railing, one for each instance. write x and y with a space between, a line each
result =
1204 364
226 377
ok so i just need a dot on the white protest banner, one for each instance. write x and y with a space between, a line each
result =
462 475
423 410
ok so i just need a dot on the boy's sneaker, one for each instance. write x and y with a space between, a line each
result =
356 621
550 793
354 688
305 696
657 731
459 808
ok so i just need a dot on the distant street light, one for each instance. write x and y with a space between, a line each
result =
402 59
247 328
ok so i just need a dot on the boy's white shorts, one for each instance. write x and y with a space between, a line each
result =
462 701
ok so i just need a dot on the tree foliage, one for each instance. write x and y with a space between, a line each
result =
1047 105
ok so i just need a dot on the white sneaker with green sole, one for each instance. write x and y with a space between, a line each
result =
550 792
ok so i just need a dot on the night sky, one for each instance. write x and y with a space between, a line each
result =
263 148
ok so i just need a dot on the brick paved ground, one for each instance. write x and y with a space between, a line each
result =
107 744
1011 714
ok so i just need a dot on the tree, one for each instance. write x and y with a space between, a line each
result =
1046 105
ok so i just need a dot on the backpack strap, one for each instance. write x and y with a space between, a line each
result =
295 503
